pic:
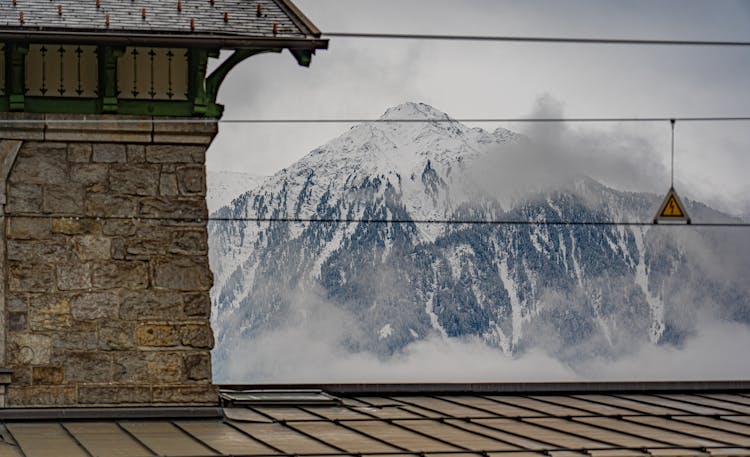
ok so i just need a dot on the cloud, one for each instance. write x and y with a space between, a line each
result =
318 345
319 349
718 351
551 155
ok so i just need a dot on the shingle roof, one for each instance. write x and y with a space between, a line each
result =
651 423
224 21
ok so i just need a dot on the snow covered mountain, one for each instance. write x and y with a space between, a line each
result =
572 290
225 186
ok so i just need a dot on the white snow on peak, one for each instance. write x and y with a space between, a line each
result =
413 110
399 154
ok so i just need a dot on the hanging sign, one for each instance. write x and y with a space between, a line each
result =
672 210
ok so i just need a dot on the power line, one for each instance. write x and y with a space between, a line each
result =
477 222
486 120
354 120
538 39
519 222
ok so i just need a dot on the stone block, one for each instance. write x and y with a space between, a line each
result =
197 336
85 366
148 366
136 153
74 276
182 208
47 375
191 180
92 247
41 395
18 321
201 394
197 304
113 395
182 273
95 176
95 305
129 274
116 335
153 229
98 135
184 132
109 153
32 130
119 228
142 247
24 198
63 199
30 277
149 304
172 153
76 227
198 366
21 250
114 131
199 155
27 228
41 321
29 349
41 163
55 250
193 242
81 337
79 152
168 185
21 375
14 302
103 205
49 312
157 335
118 249
134 179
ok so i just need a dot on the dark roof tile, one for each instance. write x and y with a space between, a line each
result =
162 17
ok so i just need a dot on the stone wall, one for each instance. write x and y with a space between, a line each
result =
106 266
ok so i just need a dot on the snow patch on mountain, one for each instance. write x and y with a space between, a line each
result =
225 186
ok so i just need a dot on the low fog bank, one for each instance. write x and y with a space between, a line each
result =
718 351
318 345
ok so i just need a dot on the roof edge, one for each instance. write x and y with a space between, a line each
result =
107 413
129 38
297 16
514 388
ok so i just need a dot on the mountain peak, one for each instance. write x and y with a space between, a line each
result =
413 110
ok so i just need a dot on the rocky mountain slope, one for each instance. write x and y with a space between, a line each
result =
572 290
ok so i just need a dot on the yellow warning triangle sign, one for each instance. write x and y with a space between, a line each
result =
672 209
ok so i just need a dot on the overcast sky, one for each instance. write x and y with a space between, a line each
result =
362 78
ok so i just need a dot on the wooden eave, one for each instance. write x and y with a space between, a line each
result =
125 38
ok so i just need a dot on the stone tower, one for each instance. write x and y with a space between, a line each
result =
105 291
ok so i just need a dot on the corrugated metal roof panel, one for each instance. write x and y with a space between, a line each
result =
107 439
603 425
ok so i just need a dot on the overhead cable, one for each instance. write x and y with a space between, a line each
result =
358 120
485 120
538 39
313 220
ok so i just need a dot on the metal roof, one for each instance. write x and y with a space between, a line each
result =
223 23
709 422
